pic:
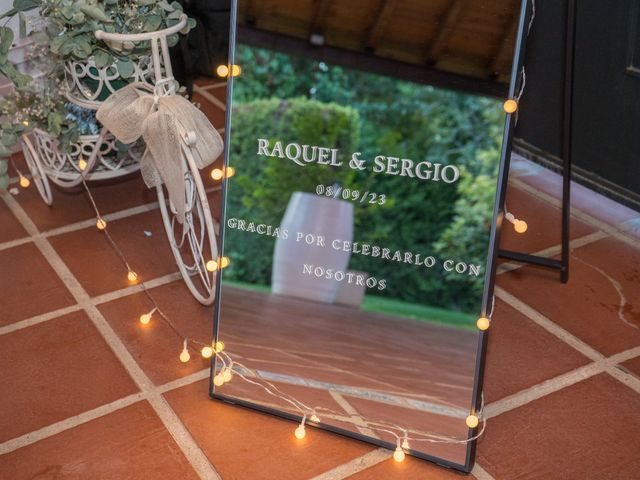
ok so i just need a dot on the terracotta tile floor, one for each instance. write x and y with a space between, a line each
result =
90 393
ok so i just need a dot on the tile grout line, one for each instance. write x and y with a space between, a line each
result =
356 465
555 250
585 240
629 380
359 422
99 300
176 428
81 225
89 222
213 86
480 473
548 325
570 339
184 381
540 390
68 423
577 213
98 412
557 383
210 98
44 317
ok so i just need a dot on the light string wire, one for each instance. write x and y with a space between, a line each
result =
268 387
228 362
116 248
520 226
23 179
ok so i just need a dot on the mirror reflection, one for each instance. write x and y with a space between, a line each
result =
365 142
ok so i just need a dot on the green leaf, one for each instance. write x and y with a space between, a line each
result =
103 59
26 5
95 12
9 139
4 152
125 67
152 23
163 4
4 180
54 122
6 39
79 18
122 147
67 47
20 80
82 46
40 37
57 42
22 25
172 40
9 13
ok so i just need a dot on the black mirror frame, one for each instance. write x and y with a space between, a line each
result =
490 275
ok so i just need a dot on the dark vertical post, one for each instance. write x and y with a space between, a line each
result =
567 136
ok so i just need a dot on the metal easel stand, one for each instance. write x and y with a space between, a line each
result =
563 263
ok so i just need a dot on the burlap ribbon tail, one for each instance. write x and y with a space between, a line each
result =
163 122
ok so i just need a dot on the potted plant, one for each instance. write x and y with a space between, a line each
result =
81 71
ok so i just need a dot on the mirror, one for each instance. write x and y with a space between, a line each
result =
366 145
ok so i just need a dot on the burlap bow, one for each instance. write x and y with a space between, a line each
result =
164 122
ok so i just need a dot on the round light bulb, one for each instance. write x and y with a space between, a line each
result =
472 421
184 356
219 346
132 276
520 226
82 164
224 262
24 181
226 375
483 323
398 455
300 432
229 172
217 174
510 106
206 352
314 418
145 319
218 381
236 70
101 224
222 70
212 265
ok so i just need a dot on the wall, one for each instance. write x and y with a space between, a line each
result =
606 114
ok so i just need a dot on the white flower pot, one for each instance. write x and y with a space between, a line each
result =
316 216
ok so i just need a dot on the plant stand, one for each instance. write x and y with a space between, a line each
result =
95 157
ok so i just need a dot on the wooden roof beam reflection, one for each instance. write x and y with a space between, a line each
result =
380 22
505 49
251 11
447 24
319 17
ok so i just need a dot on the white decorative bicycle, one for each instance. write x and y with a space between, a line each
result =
96 157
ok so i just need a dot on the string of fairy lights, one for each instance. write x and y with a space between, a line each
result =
230 366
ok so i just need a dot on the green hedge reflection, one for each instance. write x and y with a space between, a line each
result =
296 99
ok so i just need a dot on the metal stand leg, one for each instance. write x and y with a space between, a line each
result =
563 264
